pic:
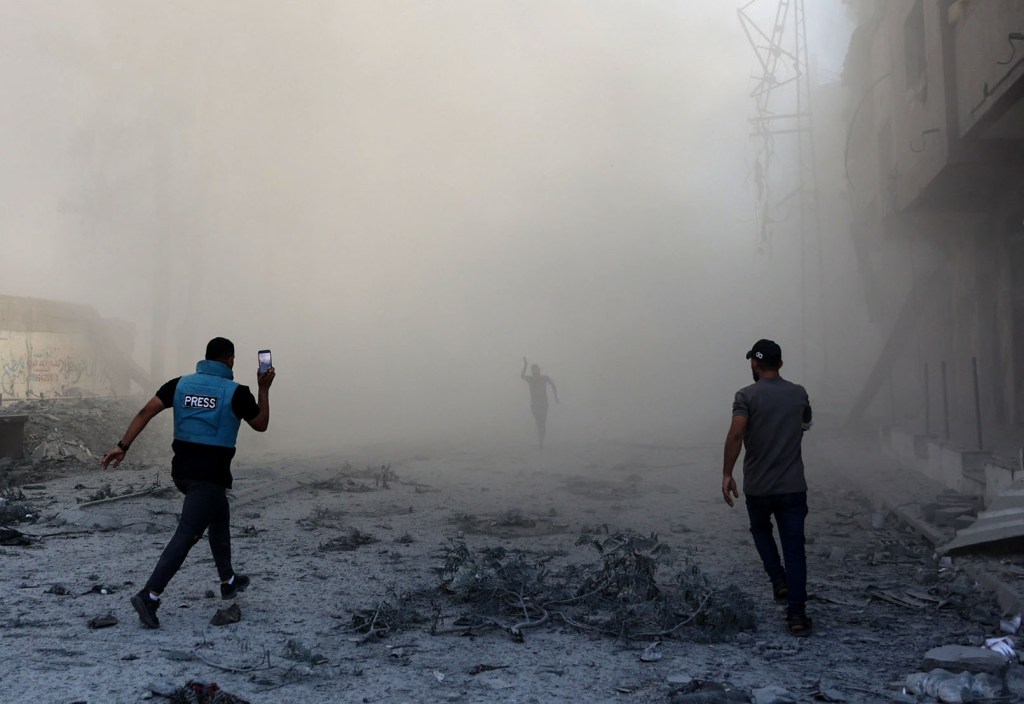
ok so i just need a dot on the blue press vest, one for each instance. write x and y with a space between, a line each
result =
202 406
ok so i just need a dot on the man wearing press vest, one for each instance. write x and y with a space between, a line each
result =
209 407
769 418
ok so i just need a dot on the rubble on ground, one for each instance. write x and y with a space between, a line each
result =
62 434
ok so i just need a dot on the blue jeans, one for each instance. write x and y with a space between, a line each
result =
205 506
789 511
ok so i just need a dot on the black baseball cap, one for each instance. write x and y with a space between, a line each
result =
767 351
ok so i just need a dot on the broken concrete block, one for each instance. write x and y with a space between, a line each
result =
946 516
965 521
773 695
987 686
1015 679
88 519
960 658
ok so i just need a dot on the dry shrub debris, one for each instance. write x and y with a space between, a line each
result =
618 595
344 480
204 693
15 507
351 540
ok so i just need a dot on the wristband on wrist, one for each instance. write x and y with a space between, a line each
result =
122 446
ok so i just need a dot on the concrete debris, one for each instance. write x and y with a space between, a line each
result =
105 621
56 447
88 519
83 429
961 658
1002 521
1010 625
698 692
223 617
773 695
1014 679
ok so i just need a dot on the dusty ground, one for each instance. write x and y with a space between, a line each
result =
294 641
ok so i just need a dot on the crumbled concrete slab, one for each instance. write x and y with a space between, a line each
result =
960 658
947 516
773 695
964 522
89 519
1003 521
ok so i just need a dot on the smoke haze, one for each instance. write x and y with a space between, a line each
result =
402 199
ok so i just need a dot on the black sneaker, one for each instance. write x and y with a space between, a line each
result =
230 591
146 608
780 590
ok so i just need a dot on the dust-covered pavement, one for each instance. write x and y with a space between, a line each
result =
297 640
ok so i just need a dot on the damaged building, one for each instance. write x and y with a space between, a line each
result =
933 161
52 349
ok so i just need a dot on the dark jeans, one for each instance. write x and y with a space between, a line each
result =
789 511
205 506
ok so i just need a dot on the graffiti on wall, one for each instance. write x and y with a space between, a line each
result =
48 365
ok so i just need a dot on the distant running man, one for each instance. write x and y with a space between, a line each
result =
209 407
769 418
539 397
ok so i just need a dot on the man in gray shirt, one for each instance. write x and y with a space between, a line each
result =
769 418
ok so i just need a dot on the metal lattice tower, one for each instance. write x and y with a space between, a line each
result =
784 116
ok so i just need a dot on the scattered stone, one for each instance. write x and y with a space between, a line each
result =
986 686
223 617
89 519
773 695
963 658
1014 679
698 692
59 590
103 621
837 554
651 653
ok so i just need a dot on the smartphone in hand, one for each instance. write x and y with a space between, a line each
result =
266 361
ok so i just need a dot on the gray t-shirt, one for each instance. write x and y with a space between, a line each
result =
777 411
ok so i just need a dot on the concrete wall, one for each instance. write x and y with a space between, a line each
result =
937 200
980 32
51 349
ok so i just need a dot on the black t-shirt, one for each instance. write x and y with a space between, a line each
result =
193 460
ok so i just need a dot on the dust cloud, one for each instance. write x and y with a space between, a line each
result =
402 199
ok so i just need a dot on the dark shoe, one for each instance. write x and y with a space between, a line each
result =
146 608
781 592
230 591
799 624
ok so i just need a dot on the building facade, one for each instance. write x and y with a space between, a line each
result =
934 162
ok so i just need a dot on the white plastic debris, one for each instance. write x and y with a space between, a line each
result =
439 676
1005 646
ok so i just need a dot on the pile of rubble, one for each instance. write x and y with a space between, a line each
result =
79 431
